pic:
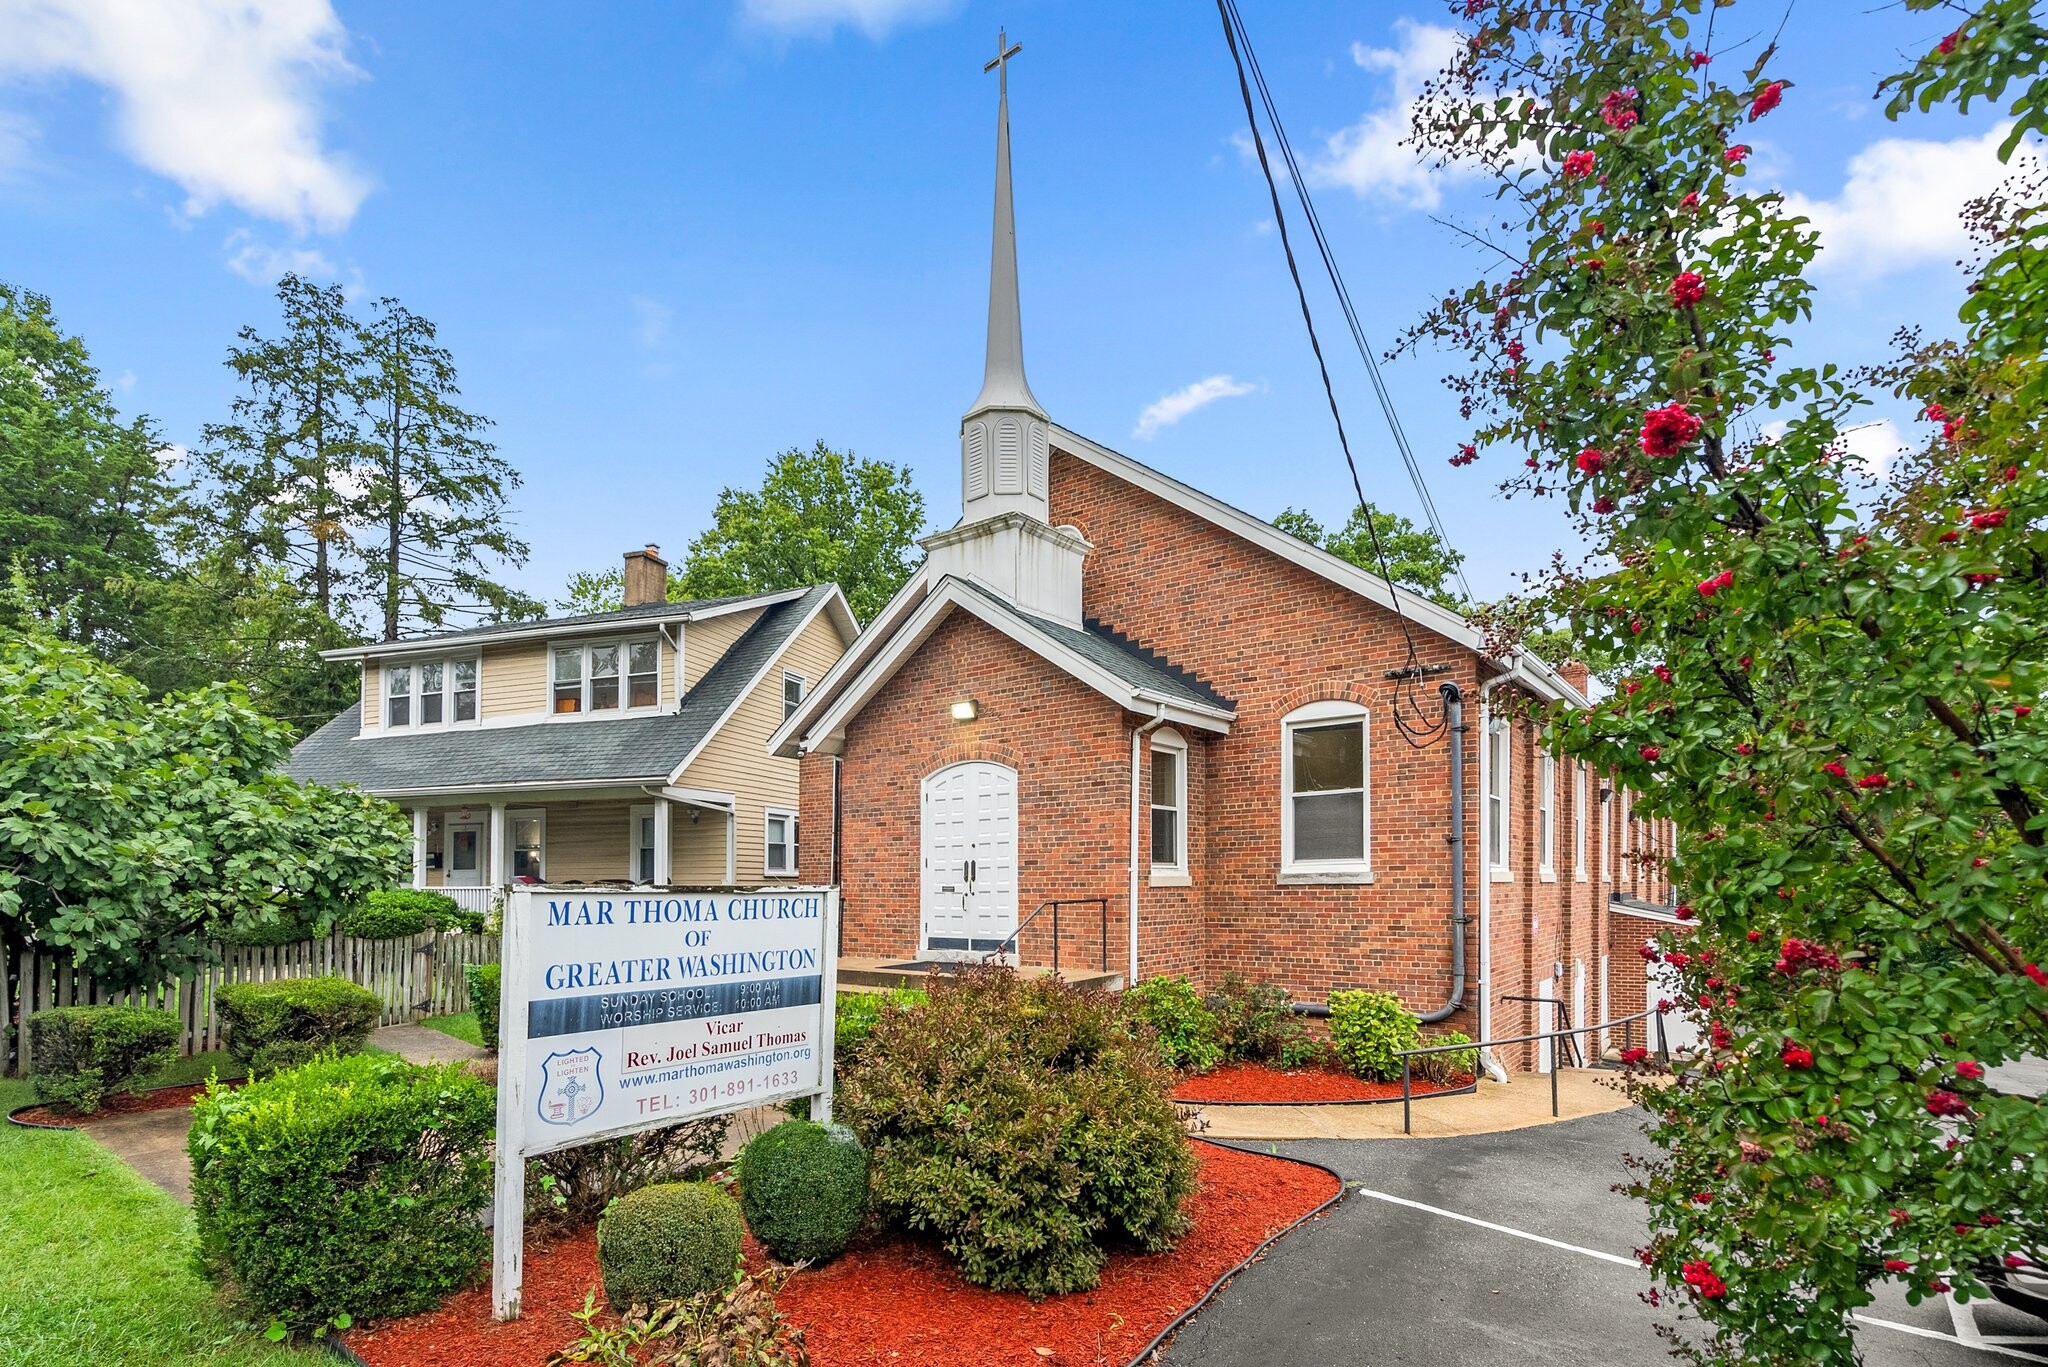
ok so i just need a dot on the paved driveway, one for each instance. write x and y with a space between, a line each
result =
1548 1277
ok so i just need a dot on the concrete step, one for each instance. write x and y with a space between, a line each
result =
878 974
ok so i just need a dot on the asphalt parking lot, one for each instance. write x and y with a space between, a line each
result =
1538 1270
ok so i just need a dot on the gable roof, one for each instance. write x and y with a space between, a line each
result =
639 615
1112 665
1429 615
547 753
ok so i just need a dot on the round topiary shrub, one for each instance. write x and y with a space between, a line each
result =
804 1189
271 1026
1369 1029
666 1241
1023 1126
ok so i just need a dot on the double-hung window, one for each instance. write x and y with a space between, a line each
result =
780 860
793 686
1546 817
529 835
1169 806
1325 812
430 693
1499 756
1579 821
607 676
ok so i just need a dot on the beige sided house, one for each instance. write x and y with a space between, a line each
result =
615 746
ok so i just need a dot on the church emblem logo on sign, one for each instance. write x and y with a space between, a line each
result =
572 1086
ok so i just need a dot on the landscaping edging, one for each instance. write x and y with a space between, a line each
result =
1159 1340
14 1117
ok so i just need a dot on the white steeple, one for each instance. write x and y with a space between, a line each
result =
1003 540
1003 437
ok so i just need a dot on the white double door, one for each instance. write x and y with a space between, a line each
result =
969 853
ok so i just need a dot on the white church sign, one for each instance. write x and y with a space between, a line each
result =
627 1009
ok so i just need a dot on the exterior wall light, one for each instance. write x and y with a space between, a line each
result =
967 709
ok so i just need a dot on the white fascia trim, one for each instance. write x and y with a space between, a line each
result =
698 797
542 630
768 666
784 741
1441 620
952 593
482 792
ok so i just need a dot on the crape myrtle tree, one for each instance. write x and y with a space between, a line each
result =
132 831
1831 683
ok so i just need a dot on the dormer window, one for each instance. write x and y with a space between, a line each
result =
605 676
430 693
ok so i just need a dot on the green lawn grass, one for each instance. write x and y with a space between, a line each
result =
462 1027
98 1265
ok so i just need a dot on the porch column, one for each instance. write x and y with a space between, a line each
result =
419 847
732 843
499 866
662 845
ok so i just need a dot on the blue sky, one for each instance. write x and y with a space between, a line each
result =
665 242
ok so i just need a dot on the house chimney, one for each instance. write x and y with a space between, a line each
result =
646 577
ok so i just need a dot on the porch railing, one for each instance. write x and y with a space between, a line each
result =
479 900
1627 1024
1010 943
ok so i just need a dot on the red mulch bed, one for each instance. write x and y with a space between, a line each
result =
1255 1084
121 1103
890 1300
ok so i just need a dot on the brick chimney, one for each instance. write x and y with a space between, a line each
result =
646 577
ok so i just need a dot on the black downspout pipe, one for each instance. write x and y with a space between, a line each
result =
1454 711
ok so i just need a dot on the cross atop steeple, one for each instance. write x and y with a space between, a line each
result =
1005 50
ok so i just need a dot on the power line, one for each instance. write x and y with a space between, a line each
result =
1421 729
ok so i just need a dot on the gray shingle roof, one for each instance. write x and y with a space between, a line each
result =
628 749
1115 652
618 616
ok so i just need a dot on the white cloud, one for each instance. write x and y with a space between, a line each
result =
218 96
1171 408
1873 445
1369 158
872 17
17 135
262 264
1901 204
651 319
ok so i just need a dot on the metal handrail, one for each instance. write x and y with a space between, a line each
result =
1011 941
1628 1035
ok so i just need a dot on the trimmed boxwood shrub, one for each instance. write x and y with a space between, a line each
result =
1188 1037
82 1053
1368 1028
395 913
667 1241
349 1186
483 999
804 1189
276 1025
1022 1125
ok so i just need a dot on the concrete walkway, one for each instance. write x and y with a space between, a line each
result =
152 1143
1494 1107
422 1044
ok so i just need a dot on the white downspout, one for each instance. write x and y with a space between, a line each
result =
1138 733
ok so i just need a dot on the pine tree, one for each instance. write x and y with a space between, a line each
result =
433 487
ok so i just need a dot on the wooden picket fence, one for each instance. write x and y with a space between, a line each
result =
417 976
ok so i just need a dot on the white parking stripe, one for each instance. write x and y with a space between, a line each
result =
1606 1257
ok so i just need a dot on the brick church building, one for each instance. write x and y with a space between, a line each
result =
1109 690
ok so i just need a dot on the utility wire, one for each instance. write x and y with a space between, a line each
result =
1421 730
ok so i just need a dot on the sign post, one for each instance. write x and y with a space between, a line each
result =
628 1009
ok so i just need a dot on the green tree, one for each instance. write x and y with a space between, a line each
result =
432 488
599 591
285 472
80 489
1832 686
1417 557
131 831
820 516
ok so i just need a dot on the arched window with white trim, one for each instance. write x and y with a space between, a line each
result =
1326 794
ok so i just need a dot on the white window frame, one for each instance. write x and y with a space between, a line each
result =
1579 822
768 820
1607 838
1317 715
803 690
415 699
637 813
624 645
1546 817
513 816
1174 873
1623 872
1499 796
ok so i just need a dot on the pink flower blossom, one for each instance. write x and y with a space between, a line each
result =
1590 461
1736 155
1766 100
1668 429
1466 455
1941 1102
1603 504
1897 1265
1650 753
1579 164
1969 1068
1618 110
1687 289
1699 59
1796 1056
1873 781
1986 520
